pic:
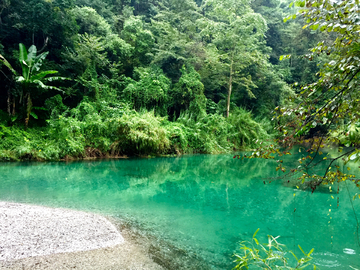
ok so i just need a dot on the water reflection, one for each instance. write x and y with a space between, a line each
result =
203 205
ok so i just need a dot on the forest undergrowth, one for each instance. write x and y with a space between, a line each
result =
105 130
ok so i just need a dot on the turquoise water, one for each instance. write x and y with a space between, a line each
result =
204 205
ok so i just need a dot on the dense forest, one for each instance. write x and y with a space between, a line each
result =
90 78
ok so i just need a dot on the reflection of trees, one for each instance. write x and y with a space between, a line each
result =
222 196
204 175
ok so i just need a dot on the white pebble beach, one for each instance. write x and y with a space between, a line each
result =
37 237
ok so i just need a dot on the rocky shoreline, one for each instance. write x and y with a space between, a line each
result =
37 237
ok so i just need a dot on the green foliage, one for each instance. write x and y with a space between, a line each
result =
32 78
142 134
270 92
245 131
111 129
4 118
208 134
178 138
100 129
188 93
150 92
214 133
88 53
90 22
235 34
32 144
187 61
140 39
55 105
326 111
271 255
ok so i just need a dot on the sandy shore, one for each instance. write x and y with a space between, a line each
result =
36 237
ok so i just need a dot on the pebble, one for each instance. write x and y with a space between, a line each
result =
29 230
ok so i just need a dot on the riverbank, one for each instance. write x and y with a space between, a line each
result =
115 131
36 237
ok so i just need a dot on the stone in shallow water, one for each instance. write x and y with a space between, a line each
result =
27 230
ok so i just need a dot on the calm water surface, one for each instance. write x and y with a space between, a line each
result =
204 205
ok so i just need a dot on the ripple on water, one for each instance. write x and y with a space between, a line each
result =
349 251
326 259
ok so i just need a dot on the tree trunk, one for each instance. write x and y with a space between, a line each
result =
8 102
230 89
28 110
13 107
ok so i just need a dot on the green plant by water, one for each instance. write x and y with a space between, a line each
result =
100 129
271 255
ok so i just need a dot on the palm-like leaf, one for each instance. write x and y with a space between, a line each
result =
51 79
42 74
31 64
20 79
22 53
31 55
23 57
38 61
6 63
46 87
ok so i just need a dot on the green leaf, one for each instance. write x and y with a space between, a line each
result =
314 27
42 74
22 53
20 79
40 108
38 61
6 63
23 56
294 255
46 87
50 79
33 115
256 232
31 55
302 250
14 118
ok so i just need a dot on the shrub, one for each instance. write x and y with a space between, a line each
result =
99 129
142 133
245 131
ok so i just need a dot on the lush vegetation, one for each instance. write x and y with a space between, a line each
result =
325 113
166 77
144 77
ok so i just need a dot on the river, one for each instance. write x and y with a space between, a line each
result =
202 206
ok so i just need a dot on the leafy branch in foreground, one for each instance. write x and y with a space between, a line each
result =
271 255
326 111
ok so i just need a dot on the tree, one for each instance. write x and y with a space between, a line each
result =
188 94
327 110
233 32
31 78
141 40
150 92
97 54
177 38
